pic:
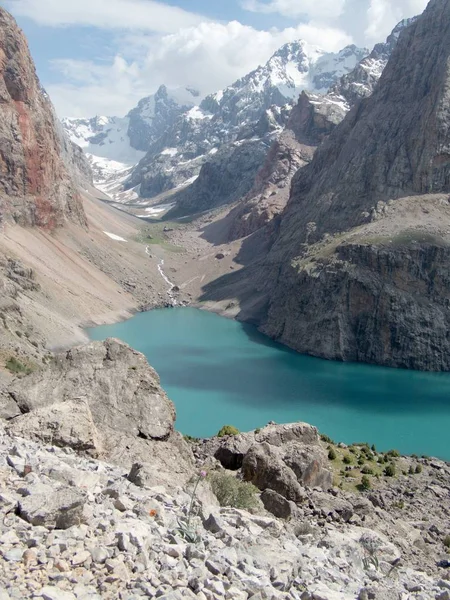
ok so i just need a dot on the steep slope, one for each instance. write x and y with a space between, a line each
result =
249 110
310 122
358 270
35 186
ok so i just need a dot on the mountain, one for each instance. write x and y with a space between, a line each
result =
36 187
172 134
114 145
244 117
358 265
310 122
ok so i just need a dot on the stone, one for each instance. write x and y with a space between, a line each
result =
80 558
53 593
277 504
61 510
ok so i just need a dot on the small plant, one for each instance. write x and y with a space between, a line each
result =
419 469
393 453
371 545
374 449
399 504
326 439
353 450
185 528
228 430
389 471
366 470
233 492
446 541
257 430
332 454
365 483
411 470
15 366
190 438
347 460
361 460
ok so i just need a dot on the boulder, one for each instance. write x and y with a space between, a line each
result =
59 509
283 458
264 467
122 391
277 504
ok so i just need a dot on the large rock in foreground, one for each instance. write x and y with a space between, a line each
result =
123 392
104 399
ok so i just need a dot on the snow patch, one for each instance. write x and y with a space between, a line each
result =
113 236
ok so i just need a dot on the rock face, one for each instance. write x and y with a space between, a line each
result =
103 399
35 185
362 262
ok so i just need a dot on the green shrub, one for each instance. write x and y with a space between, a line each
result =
389 471
347 460
233 492
411 470
326 439
257 430
366 470
332 454
393 453
353 450
365 483
419 469
228 430
446 541
15 366
361 460
374 449
190 438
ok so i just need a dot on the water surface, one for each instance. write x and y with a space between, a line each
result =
219 371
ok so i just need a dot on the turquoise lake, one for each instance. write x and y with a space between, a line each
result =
219 371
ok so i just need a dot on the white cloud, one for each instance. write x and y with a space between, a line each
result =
313 9
143 15
383 15
156 43
368 21
209 57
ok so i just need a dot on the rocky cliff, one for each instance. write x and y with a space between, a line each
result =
35 185
357 269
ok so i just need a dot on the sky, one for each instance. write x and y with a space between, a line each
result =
100 57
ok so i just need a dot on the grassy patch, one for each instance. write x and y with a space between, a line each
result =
360 467
233 492
16 367
155 235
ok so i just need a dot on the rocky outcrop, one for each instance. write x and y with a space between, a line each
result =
388 277
35 186
281 458
102 399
